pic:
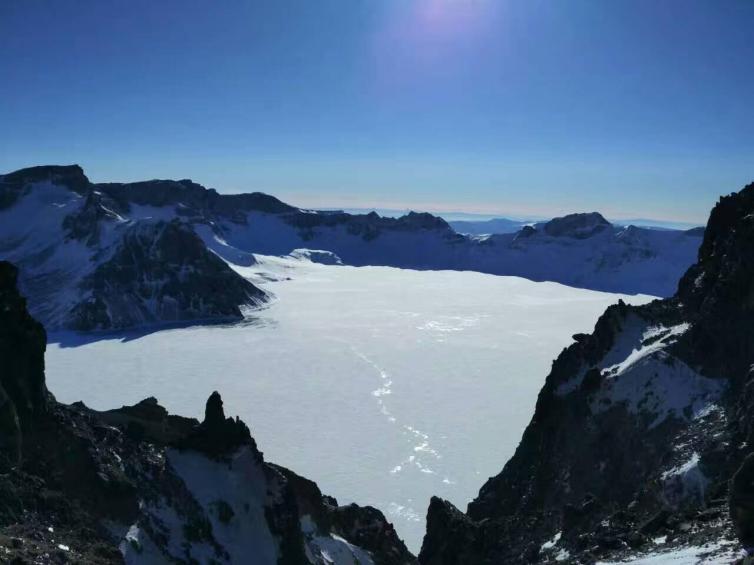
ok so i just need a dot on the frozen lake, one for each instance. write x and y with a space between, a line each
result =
385 386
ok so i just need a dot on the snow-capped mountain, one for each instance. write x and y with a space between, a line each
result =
641 440
92 262
96 256
137 485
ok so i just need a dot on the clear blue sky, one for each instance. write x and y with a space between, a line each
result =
634 108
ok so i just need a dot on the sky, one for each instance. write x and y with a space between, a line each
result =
634 108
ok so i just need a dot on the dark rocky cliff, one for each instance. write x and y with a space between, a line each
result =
637 431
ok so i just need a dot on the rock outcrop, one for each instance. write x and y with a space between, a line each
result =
138 485
637 431
161 272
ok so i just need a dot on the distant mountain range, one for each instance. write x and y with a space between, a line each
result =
505 225
115 255
488 227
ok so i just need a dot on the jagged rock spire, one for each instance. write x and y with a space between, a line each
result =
217 435
213 412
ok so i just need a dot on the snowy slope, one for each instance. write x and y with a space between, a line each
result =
230 510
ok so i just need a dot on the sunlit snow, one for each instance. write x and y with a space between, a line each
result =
385 386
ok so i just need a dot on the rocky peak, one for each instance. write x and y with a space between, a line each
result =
579 226
191 199
159 193
724 272
214 415
717 293
422 220
71 176
218 436
525 232
13 185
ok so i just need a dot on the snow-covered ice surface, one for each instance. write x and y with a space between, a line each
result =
385 386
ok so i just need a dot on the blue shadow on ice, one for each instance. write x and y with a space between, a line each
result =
69 338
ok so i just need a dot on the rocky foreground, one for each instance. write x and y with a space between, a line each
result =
637 432
138 485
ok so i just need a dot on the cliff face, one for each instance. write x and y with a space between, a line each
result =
638 429
138 485
23 395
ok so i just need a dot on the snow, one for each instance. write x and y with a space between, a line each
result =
331 549
652 340
683 469
240 484
685 481
32 237
462 354
721 552
316 256
551 543
639 373
650 380
138 548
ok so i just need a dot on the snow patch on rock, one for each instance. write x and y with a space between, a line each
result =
640 373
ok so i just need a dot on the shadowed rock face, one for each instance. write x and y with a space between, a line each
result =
132 484
620 448
161 272
23 394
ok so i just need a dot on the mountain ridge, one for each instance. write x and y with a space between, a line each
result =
61 229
